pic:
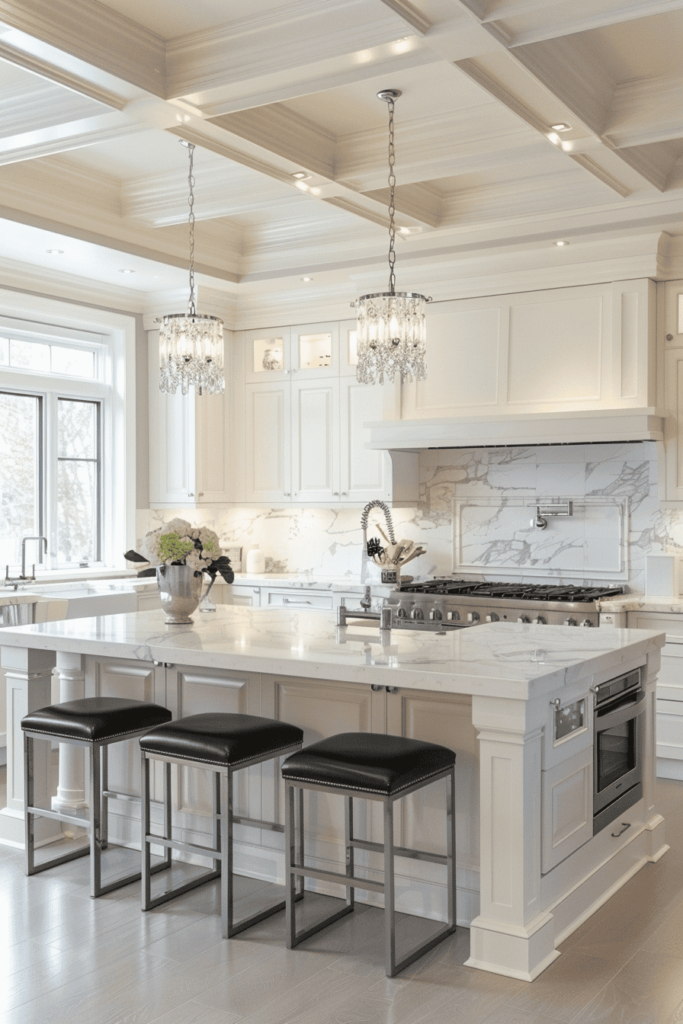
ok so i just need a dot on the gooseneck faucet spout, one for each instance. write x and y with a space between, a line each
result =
364 525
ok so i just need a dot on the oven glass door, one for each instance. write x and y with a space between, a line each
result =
616 752
618 747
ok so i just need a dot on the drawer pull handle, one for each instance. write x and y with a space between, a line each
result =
624 826
294 600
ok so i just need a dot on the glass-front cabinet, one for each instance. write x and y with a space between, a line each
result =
279 353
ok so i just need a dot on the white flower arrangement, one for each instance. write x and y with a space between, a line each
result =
179 543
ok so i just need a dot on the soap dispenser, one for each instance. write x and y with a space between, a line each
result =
256 561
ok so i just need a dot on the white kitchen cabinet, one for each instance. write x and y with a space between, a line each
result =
669 701
190 460
572 349
237 594
567 807
268 450
315 440
302 352
296 597
149 600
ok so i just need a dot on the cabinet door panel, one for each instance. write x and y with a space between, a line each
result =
201 691
215 473
268 442
133 680
363 471
567 815
321 709
315 433
446 720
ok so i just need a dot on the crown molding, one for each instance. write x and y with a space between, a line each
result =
280 130
59 76
286 40
95 34
27 278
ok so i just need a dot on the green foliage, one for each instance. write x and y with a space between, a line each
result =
172 547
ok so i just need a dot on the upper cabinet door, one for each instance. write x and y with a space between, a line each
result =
267 355
315 351
315 440
365 473
268 442
171 440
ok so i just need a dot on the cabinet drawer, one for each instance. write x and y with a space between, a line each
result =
672 624
670 729
295 599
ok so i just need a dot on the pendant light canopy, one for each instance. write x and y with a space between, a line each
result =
190 344
391 325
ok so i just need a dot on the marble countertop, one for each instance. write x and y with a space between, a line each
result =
509 659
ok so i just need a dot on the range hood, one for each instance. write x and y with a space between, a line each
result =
585 427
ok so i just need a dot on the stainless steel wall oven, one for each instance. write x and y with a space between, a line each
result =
618 722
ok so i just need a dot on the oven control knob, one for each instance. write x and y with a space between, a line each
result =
524 618
473 616
570 622
586 622
493 617
541 621
454 616
435 615
417 613
401 613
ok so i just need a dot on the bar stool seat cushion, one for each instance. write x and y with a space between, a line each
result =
95 718
368 762
217 738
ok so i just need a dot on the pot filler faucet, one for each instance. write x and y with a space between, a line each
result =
364 525
23 578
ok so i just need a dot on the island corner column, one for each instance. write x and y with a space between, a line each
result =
28 677
512 935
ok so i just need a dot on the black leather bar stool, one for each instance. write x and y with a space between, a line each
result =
374 767
95 723
223 744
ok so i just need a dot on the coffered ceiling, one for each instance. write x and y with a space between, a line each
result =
95 98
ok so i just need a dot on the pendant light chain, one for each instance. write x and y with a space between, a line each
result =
190 203
392 206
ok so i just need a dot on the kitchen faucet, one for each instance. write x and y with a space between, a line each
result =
364 524
23 578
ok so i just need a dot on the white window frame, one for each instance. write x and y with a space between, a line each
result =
43 319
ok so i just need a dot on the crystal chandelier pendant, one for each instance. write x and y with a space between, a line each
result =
392 331
191 344
191 352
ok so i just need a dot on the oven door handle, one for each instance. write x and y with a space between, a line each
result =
621 715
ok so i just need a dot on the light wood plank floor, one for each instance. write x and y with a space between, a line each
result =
67 958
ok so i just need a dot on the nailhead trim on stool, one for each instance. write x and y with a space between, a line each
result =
374 767
223 744
95 723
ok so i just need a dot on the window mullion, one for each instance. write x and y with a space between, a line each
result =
51 450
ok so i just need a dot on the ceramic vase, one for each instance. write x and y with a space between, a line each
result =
180 589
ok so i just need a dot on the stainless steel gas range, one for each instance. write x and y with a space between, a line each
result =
469 603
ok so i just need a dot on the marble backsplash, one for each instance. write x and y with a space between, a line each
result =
327 542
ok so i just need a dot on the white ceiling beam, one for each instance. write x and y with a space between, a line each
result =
645 110
288 38
94 34
584 18
51 73
410 14
63 138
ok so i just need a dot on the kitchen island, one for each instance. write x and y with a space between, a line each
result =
529 868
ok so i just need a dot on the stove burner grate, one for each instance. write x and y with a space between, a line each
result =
513 591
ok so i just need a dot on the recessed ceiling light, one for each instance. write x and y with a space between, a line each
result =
404 231
306 278
560 241
125 270
302 185
55 252
561 126
301 175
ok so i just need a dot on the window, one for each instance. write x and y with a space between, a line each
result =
67 445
